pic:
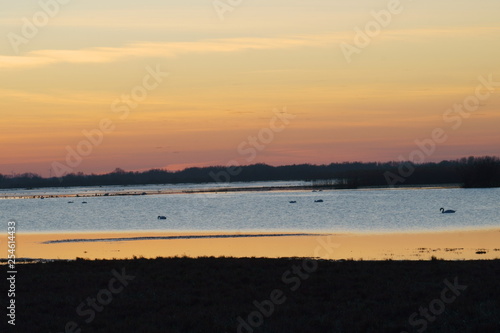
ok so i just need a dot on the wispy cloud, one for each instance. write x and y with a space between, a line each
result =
435 33
157 49
15 62
39 58
57 97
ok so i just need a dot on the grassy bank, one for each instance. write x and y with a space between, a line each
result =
268 295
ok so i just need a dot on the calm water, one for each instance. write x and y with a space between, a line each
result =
341 211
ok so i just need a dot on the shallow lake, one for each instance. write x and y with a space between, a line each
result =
380 210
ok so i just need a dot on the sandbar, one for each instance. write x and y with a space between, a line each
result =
448 245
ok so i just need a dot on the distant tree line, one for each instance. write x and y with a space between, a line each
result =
468 172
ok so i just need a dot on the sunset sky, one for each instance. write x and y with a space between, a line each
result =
232 69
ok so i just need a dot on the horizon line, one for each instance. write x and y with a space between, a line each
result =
120 170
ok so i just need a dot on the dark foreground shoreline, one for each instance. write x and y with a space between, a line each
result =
256 295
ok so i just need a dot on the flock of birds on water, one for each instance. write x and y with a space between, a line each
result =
443 211
162 217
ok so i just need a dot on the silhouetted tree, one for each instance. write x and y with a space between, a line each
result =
480 171
471 172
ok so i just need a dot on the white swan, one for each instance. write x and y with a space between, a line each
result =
449 211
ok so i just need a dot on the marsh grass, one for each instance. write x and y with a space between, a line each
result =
208 294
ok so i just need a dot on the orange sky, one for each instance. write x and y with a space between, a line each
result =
231 72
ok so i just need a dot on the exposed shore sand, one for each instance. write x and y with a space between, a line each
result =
449 245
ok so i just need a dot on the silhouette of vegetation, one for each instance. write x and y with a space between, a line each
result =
480 171
180 295
468 172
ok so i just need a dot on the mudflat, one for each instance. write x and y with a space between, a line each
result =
450 245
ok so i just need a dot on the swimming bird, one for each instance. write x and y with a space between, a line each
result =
318 200
293 201
448 211
161 217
